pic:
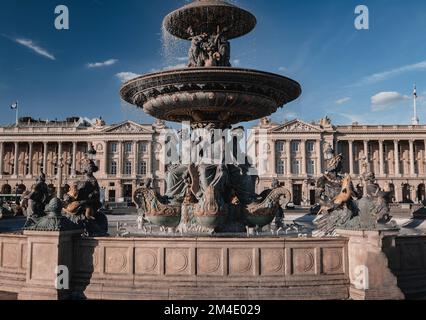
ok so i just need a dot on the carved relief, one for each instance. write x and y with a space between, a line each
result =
116 260
89 257
177 262
146 261
298 127
332 261
303 261
128 128
240 262
209 261
272 262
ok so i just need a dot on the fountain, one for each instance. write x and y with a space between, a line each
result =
211 95
211 205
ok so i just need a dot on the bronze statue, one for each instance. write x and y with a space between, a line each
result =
343 207
209 51
36 201
83 204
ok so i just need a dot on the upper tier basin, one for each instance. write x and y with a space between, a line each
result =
206 16
216 95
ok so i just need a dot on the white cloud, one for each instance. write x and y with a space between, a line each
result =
382 76
386 100
282 69
236 62
290 115
342 101
106 63
182 59
126 76
36 48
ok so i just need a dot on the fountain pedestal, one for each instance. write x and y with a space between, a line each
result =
371 278
46 251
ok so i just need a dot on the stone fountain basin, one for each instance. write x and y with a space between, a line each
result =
210 95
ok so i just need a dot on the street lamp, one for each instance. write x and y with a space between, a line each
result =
91 153
16 192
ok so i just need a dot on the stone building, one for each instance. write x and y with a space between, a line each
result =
127 153
298 153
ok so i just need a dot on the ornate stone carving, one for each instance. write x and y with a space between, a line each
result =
298 127
241 261
128 128
209 261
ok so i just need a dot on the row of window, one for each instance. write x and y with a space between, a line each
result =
296 167
128 168
295 146
128 147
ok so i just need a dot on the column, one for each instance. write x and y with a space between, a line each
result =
135 157
303 147
59 165
45 145
412 159
30 158
319 157
424 159
396 154
381 157
274 158
74 159
1 158
288 154
351 157
150 159
106 150
120 158
15 160
60 155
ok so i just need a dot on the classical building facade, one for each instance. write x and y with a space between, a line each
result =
127 153
296 154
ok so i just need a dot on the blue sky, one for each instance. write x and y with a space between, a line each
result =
349 75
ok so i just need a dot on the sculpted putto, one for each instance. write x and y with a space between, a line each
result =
209 50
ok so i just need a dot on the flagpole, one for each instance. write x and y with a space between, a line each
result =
17 114
415 118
